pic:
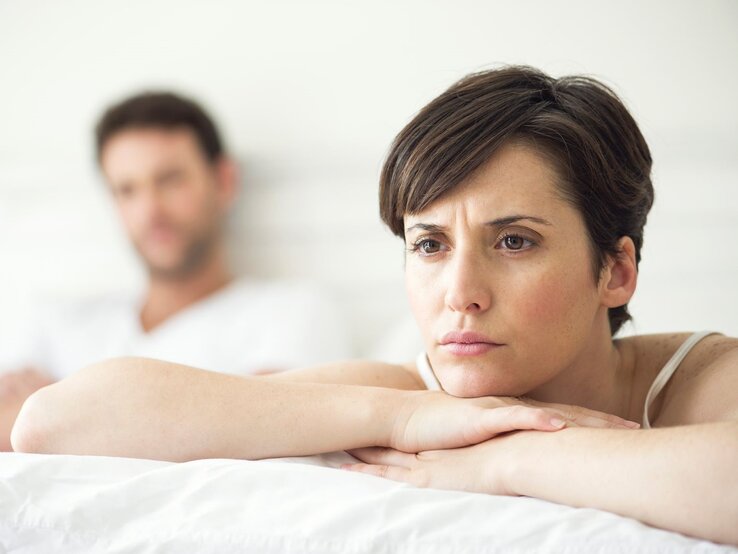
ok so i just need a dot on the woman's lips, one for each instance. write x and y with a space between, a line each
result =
467 343
469 349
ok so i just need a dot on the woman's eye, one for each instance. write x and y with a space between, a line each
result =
427 246
515 242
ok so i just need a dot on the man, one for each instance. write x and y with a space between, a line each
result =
173 185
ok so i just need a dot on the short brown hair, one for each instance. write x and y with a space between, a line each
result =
577 122
163 110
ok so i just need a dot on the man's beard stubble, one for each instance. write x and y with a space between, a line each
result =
198 251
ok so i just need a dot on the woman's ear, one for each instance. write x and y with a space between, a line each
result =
620 276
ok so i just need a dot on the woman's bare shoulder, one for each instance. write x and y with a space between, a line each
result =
651 352
704 387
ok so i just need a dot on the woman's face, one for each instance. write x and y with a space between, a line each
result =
499 278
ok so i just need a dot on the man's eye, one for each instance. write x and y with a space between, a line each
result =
123 192
172 180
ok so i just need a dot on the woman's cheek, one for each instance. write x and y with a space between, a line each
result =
423 297
553 308
543 302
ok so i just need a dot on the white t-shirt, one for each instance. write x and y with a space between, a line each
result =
245 327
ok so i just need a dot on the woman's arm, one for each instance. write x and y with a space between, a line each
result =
406 377
683 478
356 372
152 409
680 478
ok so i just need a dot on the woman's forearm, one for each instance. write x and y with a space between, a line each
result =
678 478
151 409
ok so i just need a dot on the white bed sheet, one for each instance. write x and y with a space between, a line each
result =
115 505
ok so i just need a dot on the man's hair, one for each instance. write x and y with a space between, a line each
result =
159 110
577 123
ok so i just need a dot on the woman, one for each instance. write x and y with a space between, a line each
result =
521 200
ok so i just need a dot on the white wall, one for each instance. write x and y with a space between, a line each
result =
309 96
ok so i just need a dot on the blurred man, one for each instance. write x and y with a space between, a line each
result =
173 186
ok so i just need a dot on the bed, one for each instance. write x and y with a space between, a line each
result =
116 505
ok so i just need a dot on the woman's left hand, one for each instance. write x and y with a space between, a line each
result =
483 467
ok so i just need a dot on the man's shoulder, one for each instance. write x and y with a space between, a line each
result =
98 305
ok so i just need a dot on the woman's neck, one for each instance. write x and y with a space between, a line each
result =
601 378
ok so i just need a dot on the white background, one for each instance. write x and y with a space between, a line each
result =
309 96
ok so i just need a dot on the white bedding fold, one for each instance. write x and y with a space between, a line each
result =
98 504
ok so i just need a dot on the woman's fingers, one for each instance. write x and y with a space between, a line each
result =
589 418
385 456
387 463
585 417
585 420
394 473
435 420
516 418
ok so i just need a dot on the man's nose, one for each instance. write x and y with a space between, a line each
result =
467 283
149 204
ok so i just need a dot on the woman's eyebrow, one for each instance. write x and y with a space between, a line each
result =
426 227
502 221
499 222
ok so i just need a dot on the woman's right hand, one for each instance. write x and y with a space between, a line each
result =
430 420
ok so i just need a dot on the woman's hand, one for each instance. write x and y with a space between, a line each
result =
435 420
480 468
582 417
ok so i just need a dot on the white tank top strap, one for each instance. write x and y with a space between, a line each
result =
426 372
668 370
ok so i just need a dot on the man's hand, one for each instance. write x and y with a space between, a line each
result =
19 385
15 387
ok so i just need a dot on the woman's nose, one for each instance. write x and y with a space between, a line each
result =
467 286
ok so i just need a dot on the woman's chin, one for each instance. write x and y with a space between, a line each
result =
469 382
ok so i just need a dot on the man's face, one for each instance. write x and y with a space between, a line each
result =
170 197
